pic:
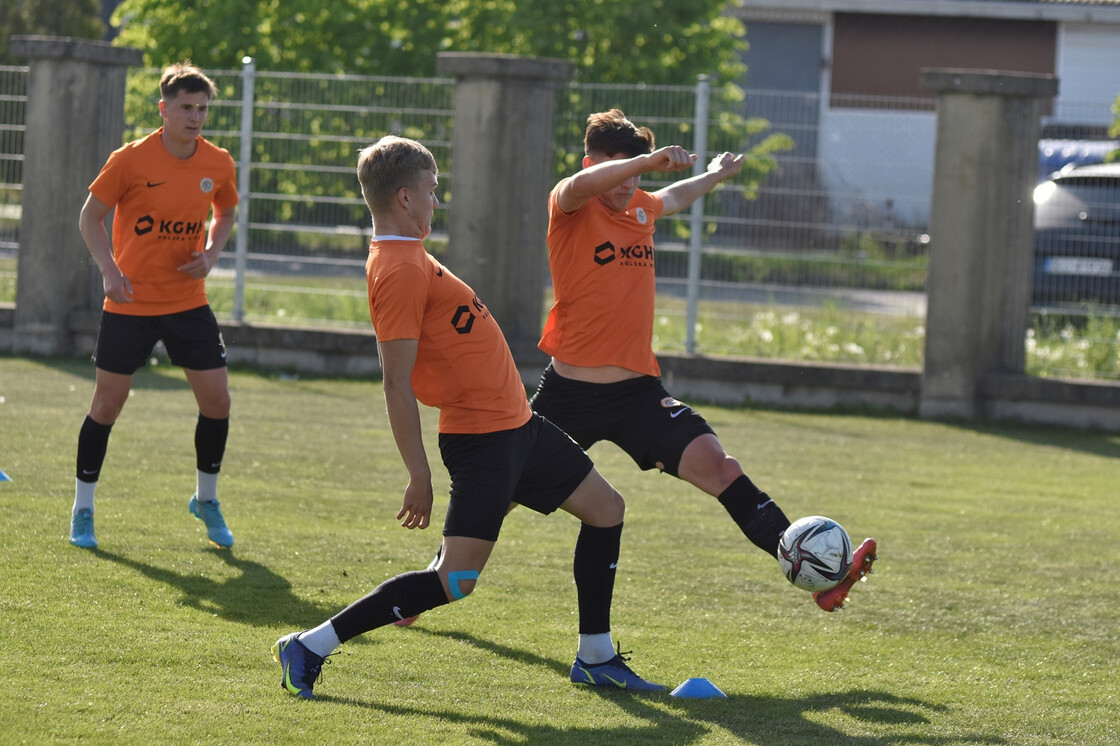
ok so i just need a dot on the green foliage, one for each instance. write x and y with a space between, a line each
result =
77 18
990 619
655 41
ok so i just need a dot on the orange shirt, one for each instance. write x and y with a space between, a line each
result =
603 282
162 203
463 364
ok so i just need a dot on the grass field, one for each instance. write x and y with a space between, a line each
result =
991 618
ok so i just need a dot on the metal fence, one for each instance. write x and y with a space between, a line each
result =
825 259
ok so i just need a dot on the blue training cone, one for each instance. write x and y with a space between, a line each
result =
697 689
4 477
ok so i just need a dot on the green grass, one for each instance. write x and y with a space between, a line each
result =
991 618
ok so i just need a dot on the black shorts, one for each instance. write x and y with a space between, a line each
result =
535 465
192 338
638 415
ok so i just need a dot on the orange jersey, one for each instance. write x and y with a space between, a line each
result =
603 283
463 364
162 203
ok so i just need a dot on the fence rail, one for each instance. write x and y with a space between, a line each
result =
835 234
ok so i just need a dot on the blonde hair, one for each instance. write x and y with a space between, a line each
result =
388 165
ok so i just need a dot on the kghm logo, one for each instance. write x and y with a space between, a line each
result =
175 229
463 320
206 185
604 253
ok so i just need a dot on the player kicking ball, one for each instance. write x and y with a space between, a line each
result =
603 382
439 344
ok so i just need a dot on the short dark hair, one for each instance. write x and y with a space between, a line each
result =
184 77
390 164
610 133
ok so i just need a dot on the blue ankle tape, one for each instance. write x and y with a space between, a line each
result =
454 578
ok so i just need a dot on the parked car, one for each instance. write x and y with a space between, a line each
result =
1077 236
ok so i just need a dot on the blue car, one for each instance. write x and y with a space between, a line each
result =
1077 237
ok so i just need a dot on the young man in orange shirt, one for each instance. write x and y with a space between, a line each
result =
163 187
439 344
603 382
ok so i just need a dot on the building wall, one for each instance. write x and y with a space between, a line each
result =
1088 69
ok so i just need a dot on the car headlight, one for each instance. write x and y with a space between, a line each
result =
1044 191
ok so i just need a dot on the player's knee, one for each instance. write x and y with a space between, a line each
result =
216 405
460 584
610 507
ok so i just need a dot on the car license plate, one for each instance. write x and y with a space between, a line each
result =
1068 265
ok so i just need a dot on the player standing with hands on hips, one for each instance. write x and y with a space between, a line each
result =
163 187
603 382
439 344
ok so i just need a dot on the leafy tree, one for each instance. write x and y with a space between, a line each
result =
79 18
624 41
629 42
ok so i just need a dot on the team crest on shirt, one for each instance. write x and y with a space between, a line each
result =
206 185
640 215
669 402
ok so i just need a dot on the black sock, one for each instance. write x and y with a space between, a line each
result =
93 441
408 594
594 567
210 443
759 517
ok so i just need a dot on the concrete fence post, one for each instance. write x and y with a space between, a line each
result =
502 171
75 118
981 225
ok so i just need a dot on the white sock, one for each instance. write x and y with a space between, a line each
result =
83 494
207 486
322 640
595 649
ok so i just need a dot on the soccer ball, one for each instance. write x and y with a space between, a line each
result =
815 553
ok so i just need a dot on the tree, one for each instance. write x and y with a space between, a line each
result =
621 41
78 18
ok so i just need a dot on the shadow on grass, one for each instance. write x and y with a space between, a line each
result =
1093 443
161 377
671 720
257 597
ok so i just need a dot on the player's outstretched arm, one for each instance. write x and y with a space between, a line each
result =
600 177
398 357
681 194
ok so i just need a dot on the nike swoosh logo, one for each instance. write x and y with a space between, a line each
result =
89 471
616 682
614 565
439 272
760 506
158 183
678 413
287 671
397 611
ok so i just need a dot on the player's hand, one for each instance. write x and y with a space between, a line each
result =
671 158
416 510
726 165
118 288
199 266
